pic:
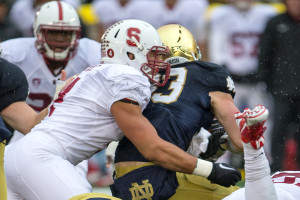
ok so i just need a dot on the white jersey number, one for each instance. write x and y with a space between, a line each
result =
175 87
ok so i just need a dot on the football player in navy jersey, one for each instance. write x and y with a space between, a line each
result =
196 92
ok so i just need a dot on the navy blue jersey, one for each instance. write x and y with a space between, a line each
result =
13 84
177 111
13 88
182 106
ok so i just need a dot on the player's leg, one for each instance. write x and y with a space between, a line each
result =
42 173
259 185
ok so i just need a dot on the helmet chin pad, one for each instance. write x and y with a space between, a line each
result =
58 51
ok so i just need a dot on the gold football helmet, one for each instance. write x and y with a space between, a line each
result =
181 42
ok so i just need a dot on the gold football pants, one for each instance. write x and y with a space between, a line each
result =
3 188
193 187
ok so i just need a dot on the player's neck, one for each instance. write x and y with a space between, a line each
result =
55 66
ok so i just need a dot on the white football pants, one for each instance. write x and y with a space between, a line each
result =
36 168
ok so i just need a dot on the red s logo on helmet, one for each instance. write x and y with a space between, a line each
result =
133 32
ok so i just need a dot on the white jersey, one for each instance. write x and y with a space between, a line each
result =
81 120
41 80
234 36
286 183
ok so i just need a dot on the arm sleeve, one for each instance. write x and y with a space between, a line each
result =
130 87
13 84
218 79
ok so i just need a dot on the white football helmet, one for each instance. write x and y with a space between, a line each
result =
136 43
57 16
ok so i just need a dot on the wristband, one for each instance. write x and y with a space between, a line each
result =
203 168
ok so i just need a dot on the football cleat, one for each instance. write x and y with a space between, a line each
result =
251 124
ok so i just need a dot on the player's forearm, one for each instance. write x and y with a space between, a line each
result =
231 128
159 151
145 138
224 110
172 157
20 116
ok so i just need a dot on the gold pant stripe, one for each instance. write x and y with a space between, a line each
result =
122 168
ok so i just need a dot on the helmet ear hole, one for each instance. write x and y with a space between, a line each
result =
130 55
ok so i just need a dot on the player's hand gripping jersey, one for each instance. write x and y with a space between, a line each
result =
177 111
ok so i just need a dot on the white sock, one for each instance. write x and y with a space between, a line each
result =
259 185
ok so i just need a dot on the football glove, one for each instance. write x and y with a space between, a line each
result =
218 136
224 175
251 124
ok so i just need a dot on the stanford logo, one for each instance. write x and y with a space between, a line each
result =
36 82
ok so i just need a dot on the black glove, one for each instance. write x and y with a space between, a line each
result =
213 148
224 175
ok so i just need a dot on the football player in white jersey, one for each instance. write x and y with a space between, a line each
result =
22 13
100 105
233 41
235 30
56 46
260 185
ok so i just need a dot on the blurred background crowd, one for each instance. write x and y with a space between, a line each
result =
257 41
